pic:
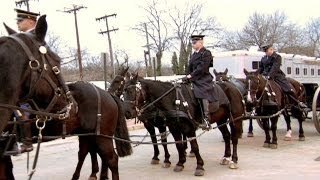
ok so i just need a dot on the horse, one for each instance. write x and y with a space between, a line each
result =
183 118
260 92
31 71
241 86
85 142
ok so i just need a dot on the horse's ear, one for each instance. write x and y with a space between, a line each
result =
124 71
9 30
215 72
41 28
128 76
245 71
135 76
226 71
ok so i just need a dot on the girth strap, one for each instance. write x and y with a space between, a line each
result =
99 110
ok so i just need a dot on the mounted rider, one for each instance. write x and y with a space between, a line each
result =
26 22
199 75
270 68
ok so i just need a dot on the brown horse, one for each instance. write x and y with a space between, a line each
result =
30 71
146 91
260 92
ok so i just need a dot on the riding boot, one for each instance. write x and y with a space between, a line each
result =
26 138
206 120
292 97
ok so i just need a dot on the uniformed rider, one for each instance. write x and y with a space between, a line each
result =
200 77
26 22
270 68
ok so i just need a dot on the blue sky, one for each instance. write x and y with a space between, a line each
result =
231 14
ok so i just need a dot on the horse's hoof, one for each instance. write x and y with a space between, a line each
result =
199 172
178 168
233 165
287 138
250 135
166 165
155 161
266 145
92 178
225 161
302 138
191 154
273 146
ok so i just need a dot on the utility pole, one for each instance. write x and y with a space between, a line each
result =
105 18
147 45
21 3
74 10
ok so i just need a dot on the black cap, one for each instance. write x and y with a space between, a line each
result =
22 14
196 37
265 47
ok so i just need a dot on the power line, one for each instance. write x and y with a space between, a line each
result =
105 18
74 10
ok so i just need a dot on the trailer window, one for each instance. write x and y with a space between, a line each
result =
255 64
319 72
297 71
305 71
288 70
312 72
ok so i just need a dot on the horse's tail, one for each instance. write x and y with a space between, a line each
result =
123 148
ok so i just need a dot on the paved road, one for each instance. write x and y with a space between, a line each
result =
292 160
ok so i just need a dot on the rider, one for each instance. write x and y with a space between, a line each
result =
26 22
202 80
270 67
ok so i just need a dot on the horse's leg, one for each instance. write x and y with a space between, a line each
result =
6 167
181 151
300 116
274 143
226 137
288 136
250 132
185 143
166 162
104 170
83 151
152 132
267 141
108 156
235 132
94 164
195 149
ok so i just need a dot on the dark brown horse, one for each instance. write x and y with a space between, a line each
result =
146 91
260 92
30 70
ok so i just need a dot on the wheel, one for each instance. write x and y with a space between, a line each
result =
315 108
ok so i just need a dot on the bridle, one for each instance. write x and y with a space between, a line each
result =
40 71
138 98
256 90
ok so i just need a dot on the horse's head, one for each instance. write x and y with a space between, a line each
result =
255 85
118 83
134 96
221 76
28 69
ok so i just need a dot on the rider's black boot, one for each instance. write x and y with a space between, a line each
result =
206 120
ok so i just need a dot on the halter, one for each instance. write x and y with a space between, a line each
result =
39 71
255 91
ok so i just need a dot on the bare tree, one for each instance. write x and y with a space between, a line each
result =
265 28
55 42
121 56
313 31
157 30
187 21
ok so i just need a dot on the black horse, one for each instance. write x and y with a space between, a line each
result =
179 122
260 92
30 69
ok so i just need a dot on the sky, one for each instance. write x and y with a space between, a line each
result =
230 14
